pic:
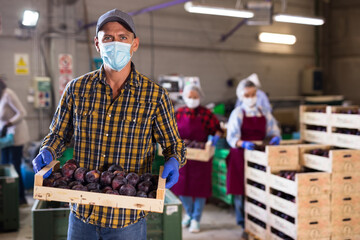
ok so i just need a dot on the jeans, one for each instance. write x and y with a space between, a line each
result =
193 208
239 209
78 230
13 155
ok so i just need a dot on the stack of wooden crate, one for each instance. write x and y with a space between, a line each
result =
344 167
257 169
337 126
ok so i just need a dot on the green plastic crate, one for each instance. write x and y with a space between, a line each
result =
218 178
219 192
219 165
221 153
166 225
9 198
50 220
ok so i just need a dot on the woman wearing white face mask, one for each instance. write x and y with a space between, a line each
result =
194 186
247 123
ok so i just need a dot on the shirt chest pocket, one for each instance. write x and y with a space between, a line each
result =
84 108
138 113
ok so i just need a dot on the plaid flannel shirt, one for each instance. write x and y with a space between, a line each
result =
122 131
209 121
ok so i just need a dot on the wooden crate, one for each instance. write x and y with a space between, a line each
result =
202 155
315 136
304 228
256 174
281 155
346 237
272 236
256 230
307 115
339 160
305 184
343 120
345 183
345 140
100 199
256 211
256 193
345 226
345 205
304 207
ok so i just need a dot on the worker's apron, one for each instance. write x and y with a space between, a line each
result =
195 176
252 129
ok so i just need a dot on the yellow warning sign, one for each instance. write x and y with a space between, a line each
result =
21 63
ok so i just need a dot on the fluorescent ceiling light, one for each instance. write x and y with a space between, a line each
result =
30 18
277 38
299 19
229 12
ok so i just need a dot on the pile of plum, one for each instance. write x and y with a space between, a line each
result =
320 152
194 144
349 111
318 110
348 131
288 174
316 128
112 181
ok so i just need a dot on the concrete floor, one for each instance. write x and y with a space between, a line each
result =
218 222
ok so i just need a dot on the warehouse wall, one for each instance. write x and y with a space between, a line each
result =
182 43
344 53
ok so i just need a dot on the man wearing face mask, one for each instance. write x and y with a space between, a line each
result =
194 186
247 123
116 116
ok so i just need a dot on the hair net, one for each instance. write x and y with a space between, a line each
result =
241 87
255 79
193 87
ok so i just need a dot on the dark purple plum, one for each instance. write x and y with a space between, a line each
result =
110 191
152 194
132 178
79 187
106 188
120 173
106 178
73 183
145 177
92 176
48 182
118 181
145 186
80 173
68 169
93 186
141 194
127 190
115 167
60 182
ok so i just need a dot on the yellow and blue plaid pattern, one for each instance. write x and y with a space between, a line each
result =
122 131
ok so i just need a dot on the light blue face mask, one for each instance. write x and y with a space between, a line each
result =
115 54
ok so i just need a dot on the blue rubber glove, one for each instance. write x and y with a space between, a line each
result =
7 141
171 172
275 140
215 139
248 145
41 160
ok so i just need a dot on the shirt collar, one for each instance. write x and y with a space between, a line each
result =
132 79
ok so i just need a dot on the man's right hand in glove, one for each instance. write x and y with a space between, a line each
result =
41 160
248 145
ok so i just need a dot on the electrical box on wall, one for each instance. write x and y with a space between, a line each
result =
42 92
312 81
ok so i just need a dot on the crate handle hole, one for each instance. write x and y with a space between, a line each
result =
314 201
314 223
347 178
347 156
314 179
347 199
282 151
346 219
